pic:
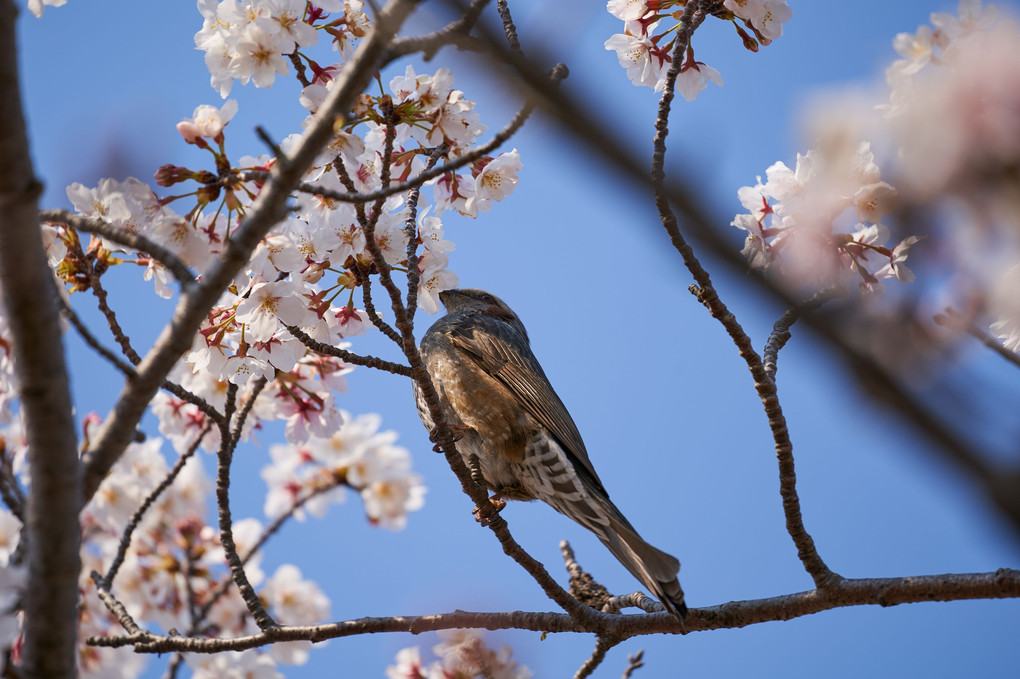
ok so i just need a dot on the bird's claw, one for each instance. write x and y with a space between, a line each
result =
456 434
497 505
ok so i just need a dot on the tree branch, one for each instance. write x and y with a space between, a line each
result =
126 238
1001 584
139 514
51 595
348 356
694 14
602 646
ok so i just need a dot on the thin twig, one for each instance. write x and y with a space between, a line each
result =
135 241
373 315
410 230
348 356
139 514
508 26
634 661
115 606
364 277
240 578
242 416
694 14
780 334
602 646
101 301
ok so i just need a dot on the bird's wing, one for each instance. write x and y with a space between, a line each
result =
500 351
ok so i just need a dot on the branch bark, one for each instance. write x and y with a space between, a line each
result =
1001 584
51 597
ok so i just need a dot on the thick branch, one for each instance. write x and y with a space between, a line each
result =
455 33
51 596
1001 584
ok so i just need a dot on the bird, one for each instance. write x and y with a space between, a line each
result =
498 401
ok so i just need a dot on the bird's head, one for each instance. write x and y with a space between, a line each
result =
481 302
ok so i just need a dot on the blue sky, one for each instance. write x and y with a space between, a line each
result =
664 403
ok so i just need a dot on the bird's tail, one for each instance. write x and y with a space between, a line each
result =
656 569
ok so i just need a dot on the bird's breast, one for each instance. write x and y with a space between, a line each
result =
480 401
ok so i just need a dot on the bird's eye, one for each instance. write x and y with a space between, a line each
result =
488 299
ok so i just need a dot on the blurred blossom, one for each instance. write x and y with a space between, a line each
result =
462 654
1005 308
796 228
250 664
10 535
960 127
293 601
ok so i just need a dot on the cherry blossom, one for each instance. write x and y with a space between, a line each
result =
767 16
496 181
267 305
37 7
207 121
627 10
10 535
646 64
793 223
694 77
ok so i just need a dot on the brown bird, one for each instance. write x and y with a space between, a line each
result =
495 395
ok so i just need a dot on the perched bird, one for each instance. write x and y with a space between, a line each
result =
495 396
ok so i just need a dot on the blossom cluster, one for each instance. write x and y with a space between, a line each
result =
462 654
305 272
794 222
174 574
950 126
954 114
249 40
645 48
965 68
356 456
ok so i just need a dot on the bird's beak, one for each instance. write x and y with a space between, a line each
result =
445 295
